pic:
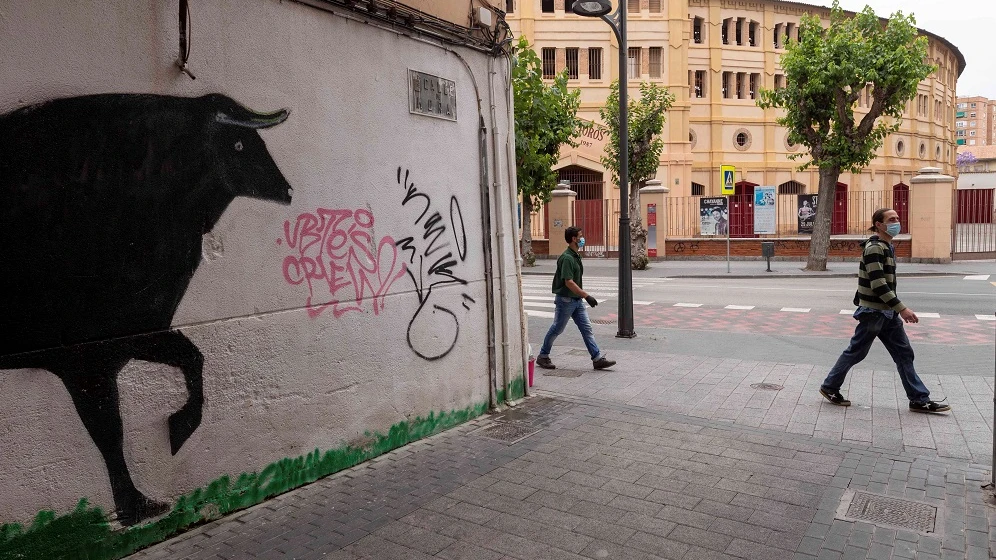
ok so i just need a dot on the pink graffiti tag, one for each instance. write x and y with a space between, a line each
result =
335 250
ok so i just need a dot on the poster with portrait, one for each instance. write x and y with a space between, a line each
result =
765 218
806 211
714 216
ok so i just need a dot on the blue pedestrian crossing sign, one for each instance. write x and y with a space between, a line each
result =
726 178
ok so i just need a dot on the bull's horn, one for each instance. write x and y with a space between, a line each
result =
255 120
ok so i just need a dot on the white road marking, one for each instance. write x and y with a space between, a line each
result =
687 305
929 315
528 304
545 314
986 317
978 277
797 309
846 312
635 302
744 307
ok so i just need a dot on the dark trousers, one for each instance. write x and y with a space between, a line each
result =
892 334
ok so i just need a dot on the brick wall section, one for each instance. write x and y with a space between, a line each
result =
561 60
582 61
693 247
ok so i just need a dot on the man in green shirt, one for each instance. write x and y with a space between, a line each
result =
567 282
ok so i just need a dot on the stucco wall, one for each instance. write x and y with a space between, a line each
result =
286 369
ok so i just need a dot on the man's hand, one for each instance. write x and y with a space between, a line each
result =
591 301
908 316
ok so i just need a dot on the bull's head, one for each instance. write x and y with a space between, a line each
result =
244 164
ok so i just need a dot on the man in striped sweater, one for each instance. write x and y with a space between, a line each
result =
880 314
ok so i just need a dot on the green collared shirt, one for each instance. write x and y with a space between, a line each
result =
569 267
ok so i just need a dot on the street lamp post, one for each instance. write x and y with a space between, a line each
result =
617 21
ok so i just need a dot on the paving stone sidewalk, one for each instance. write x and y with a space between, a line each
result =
721 389
598 480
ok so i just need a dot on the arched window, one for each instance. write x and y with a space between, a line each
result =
791 187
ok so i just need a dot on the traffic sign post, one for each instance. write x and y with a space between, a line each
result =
726 173
726 179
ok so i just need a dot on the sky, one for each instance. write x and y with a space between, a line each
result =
968 24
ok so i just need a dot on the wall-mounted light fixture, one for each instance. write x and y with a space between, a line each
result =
185 33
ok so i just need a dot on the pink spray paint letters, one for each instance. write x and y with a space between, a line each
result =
336 256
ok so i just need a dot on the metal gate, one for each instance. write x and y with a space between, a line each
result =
974 230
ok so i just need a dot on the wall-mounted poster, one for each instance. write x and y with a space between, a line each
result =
807 212
765 218
714 216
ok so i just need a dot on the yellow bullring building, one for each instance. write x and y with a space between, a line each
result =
714 56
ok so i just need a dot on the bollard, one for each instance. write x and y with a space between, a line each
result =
768 251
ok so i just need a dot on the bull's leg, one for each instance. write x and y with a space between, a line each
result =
174 349
94 390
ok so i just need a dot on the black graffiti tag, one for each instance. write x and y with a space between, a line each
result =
431 263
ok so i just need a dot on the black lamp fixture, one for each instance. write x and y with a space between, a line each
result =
591 8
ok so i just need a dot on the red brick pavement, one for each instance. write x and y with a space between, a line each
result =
945 330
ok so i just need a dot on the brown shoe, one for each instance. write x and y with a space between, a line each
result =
545 363
603 363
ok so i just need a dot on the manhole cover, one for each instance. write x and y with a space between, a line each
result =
562 373
767 386
506 432
885 510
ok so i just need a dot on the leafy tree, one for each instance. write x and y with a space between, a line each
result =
545 118
646 121
826 70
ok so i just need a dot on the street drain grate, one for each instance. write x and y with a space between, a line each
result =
604 321
562 373
885 510
767 386
504 431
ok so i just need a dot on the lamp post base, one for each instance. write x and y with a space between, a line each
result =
629 334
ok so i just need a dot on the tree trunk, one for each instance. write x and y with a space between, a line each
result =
638 233
819 241
528 258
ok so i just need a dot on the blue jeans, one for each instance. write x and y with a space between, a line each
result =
568 308
892 334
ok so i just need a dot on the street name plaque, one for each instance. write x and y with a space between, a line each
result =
431 96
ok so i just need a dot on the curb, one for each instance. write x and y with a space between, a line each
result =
777 275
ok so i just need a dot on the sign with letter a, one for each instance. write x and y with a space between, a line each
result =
726 176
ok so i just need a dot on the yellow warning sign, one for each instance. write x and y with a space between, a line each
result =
726 178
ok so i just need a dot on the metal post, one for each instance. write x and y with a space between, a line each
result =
729 213
625 328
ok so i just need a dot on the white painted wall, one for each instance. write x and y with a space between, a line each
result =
278 382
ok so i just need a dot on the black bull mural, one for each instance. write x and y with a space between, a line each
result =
104 200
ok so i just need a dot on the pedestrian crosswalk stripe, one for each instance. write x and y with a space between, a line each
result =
636 302
687 305
846 312
986 317
744 307
978 277
548 304
929 315
797 309
544 314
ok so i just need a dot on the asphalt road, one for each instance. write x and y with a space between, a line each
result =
790 320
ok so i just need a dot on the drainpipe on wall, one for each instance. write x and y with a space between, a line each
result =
489 304
513 198
502 295
488 258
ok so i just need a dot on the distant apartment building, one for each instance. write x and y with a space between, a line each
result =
975 121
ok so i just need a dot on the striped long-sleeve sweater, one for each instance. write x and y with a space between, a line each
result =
877 277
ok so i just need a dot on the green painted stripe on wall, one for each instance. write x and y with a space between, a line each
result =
86 532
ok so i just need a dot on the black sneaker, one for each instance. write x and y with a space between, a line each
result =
929 406
836 398
545 363
603 363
